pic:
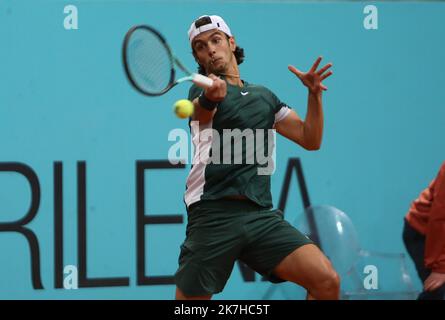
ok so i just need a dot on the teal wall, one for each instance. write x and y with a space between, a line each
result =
64 97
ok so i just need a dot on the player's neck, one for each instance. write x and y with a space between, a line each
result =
232 75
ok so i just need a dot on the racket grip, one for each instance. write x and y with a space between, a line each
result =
201 80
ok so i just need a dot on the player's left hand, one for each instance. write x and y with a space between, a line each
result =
313 78
434 281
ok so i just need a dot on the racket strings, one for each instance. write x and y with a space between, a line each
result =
149 61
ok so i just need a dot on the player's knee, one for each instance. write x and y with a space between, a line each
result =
328 285
334 281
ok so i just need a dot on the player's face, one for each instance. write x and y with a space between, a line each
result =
214 51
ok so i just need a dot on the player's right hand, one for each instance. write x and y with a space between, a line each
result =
218 90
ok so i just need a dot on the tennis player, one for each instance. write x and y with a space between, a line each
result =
229 206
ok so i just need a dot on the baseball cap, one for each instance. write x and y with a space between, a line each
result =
208 22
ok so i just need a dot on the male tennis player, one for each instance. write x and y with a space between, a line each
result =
229 206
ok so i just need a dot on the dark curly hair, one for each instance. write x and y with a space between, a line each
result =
239 55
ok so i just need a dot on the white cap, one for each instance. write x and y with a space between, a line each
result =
206 23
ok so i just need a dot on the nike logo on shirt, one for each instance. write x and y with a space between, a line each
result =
244 93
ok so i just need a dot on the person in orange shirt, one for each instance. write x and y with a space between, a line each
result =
424 237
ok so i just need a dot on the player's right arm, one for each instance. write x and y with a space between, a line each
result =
216 93
200 114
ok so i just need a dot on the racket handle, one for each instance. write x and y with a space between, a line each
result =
201 80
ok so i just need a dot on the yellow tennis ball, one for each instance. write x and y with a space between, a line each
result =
183 108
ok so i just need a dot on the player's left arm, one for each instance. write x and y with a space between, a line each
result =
307 133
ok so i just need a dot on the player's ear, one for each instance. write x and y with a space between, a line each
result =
194 56
232 44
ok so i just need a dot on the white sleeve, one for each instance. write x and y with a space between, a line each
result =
282 113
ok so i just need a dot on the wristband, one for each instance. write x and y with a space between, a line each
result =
206 103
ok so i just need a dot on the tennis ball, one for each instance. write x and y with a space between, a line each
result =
183 108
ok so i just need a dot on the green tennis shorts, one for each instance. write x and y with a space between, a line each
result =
219 232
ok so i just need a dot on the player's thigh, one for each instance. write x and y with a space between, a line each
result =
306 266
271 240
181 296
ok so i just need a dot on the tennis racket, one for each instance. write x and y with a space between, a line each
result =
150 64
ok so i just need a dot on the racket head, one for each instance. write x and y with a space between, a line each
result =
148 61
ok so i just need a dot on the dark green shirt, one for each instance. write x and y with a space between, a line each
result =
246 108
